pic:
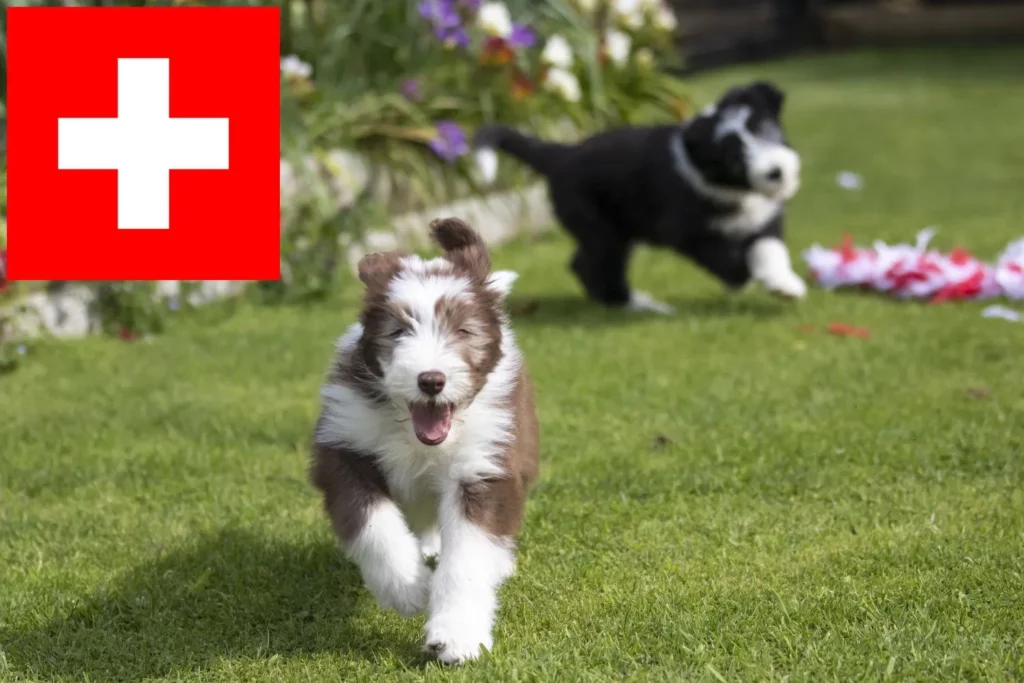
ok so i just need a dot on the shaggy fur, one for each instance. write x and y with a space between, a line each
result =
712 189
427 438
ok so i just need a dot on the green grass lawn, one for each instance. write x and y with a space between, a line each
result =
724 497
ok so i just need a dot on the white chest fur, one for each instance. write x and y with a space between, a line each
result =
753 213
753 210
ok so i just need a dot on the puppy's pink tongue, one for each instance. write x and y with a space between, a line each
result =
431 422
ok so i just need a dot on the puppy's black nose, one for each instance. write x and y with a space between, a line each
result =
431 382
774 174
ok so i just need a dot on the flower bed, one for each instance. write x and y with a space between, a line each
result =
535 65
556 68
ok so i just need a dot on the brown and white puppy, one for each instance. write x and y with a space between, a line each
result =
427 438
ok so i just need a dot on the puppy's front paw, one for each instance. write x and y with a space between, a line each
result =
454 641
430 544
644 302
787 284
407 598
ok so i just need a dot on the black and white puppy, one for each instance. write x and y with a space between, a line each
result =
713 189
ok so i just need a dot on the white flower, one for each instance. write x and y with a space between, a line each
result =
494 19
630 12
557 52
665 19
644 58
618 45
295 67
564 83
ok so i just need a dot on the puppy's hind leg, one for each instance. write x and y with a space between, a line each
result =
602 257
602 270
642 301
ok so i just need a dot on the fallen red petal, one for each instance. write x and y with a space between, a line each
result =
845 330
847 250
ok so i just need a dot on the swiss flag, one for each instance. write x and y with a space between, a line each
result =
143 143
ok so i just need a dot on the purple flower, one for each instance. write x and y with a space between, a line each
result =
471 5
440 13
450 143
454 37
411 90
522 36
443 16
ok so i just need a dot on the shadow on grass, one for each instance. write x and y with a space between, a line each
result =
577 311
231 595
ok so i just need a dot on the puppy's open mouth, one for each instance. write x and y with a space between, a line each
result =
431 421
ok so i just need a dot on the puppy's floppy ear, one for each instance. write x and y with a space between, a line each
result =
376 270
730 97
700 130
699 138
770 94
462 245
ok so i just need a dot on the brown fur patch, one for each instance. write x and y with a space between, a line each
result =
354 370
376 270
481 314
463 246
380 317
352 484
497 504
475 324
362 369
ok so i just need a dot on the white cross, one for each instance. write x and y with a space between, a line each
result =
143 144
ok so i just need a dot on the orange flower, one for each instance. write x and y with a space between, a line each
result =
522 87
496 51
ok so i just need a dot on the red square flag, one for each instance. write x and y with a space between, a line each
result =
143 143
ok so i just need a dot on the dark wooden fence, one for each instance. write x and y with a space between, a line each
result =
715 32
718 32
